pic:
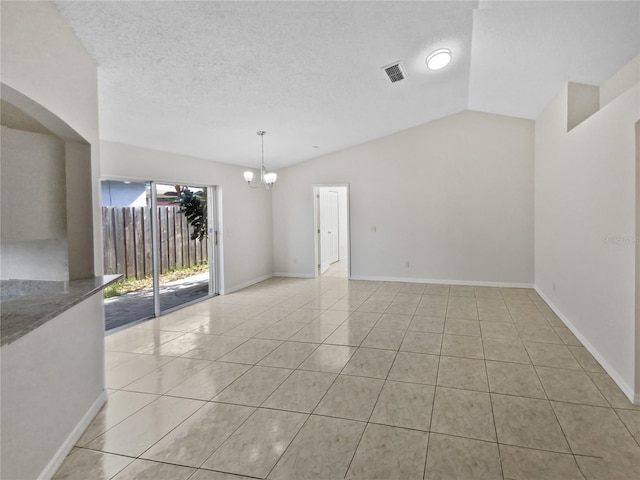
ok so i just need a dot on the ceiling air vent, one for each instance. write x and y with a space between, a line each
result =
395 71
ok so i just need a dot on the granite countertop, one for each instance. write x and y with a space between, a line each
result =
27 304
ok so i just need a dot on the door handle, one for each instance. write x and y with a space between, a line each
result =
328 232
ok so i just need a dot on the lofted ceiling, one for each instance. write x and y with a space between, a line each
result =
201 77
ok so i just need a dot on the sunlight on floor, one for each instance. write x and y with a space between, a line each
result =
338 269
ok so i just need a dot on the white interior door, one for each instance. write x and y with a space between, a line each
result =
329 236
333 233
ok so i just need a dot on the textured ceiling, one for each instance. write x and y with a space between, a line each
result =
200 78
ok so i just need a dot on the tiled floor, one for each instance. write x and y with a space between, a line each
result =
331 378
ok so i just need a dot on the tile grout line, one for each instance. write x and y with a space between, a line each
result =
433 402
549 400
493 415
495 427
139 457
555 415
355 451
128 416
615 411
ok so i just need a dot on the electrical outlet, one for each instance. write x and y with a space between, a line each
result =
406 264
373 228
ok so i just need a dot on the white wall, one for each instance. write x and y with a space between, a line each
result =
52 386
453 197
35 260
246 233
584 101
34 224
585 226
33 186
622 81
79 195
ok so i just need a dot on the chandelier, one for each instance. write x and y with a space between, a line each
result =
266 178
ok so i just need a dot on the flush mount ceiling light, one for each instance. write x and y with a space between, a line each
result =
439 59
266 178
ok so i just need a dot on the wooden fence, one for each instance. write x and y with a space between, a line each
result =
127 241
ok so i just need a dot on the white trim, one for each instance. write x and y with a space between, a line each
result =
442 282
294 275
54 464
235 288
316 232
155 249
219 219
613 373
212 250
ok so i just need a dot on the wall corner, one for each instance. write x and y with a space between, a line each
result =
582 102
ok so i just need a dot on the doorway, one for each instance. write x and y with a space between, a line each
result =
331 227
157 236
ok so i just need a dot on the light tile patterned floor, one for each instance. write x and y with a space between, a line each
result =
331 378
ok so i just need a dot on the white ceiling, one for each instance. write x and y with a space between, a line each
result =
200 78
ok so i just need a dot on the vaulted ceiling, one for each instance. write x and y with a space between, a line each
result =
201 77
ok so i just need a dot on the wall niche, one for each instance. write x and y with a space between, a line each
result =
46 229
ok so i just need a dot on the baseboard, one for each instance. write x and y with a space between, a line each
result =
294 275
386 279
613 373
59 457
235 288
441 281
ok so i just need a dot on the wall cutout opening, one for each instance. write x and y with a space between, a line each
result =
47 222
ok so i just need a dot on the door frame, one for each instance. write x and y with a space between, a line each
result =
212 232
316 224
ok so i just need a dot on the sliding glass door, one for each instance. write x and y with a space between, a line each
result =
128 251
183 244
157 235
